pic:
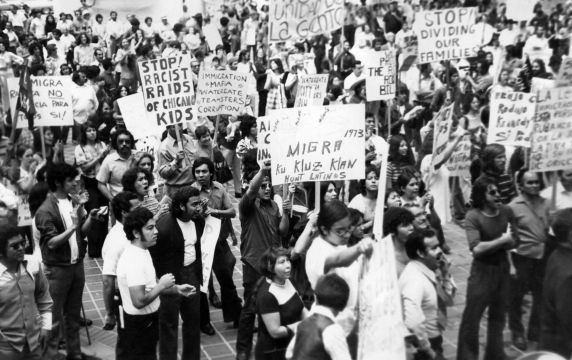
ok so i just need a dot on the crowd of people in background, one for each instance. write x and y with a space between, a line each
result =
144 213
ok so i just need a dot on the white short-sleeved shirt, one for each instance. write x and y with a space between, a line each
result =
135 268
115 243
66 209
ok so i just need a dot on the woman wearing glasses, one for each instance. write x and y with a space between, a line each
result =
328 253
487 228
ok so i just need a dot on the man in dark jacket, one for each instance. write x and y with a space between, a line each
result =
63 224
178 251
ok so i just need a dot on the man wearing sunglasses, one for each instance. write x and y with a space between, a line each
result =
26 305
115 164
262 228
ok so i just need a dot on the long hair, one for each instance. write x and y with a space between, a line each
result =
394 155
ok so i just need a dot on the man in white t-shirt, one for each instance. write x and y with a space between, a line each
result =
113 247
563 190
140 289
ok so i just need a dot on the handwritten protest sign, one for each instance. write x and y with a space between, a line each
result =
52 96
446 34
311 90
460 161
208 244
295 19
380 76
441 134
318 143
221 92
551 146
519 10
133 111
408 54
167 89
24 213
540 84
264 125
381 328
564 77
511 118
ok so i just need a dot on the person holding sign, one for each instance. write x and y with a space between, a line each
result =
175 159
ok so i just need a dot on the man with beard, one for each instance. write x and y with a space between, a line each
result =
220 206
175 160
115 164
178 251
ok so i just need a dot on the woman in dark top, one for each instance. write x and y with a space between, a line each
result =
278 305
487 227
400 156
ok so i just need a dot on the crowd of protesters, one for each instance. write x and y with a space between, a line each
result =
144 213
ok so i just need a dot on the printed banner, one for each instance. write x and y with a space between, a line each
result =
551 146
460 161
221 93
511 118
441 133
318 143
301 19
380 81
52 96
133 111
311 90
208 244
380 319
447 34
167 89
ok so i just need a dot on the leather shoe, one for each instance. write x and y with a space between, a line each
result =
208 329
85 322
519 342
215 301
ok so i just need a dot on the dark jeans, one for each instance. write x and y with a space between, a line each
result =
248 314
66 289
98 230
436 345
459 208
190 310
139 336
223 267
487 287
529 277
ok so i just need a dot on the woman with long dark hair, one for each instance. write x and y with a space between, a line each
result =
400 156
275 80
89 154
367 200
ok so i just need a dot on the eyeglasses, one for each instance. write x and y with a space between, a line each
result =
124 141
493 192
266 186
343 232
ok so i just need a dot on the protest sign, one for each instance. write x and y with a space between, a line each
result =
519 10
24 213
301 19
212 36
208 244
52 96
167 89
134 115
408 54
551 148
447 34
311 90
264 124
511 118
460 161
539 84
221 93
564 77
441 132
380 81
318 143
381 329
